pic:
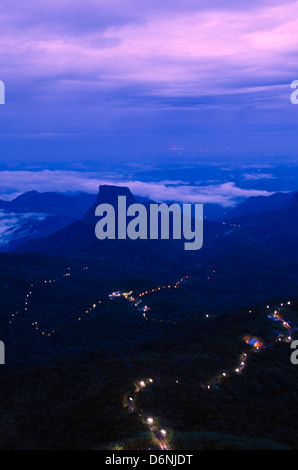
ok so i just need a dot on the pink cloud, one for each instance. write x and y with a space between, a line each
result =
190 52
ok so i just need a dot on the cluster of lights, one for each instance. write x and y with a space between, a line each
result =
130 298
223 375
128 295
257 345
285 322
150 421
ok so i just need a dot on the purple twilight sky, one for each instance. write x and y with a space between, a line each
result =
136 80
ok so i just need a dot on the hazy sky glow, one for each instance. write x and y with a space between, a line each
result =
133 80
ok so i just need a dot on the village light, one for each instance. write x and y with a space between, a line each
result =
150 420
224 374
237 370
142 383
150 380
163 432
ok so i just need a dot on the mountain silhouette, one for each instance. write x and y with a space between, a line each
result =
70 206
79 237
257 204
108 194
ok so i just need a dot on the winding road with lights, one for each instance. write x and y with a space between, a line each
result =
159 436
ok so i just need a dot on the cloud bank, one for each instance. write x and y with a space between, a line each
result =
226 194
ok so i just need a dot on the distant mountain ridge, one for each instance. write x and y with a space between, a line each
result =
273 228
33 215
79 237
257 204
72 206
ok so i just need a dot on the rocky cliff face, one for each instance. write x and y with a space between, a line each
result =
109 195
